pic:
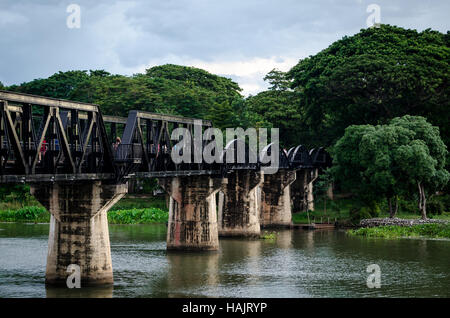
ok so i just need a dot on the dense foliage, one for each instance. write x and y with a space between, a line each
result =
25 214
366 79
385 161
169 88
373 76
138 216
394 231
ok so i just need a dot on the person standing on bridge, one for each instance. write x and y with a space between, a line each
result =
42 150
117 143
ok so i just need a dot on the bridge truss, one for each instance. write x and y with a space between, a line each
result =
45 139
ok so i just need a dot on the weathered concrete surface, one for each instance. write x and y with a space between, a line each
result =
239 205
276 199
298 192
302 190
192 212
79 229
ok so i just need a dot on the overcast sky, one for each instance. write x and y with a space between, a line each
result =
240 39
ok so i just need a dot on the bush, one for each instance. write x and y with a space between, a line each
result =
27 214
395 231
435 207
408 206
445 199
138 216
357 214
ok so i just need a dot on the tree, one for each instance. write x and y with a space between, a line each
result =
278 107
172 89
278 80
372 77
59 85
385 161
422 160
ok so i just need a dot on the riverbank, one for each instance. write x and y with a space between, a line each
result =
403 229
35 214
132 209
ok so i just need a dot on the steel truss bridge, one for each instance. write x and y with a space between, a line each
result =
45 139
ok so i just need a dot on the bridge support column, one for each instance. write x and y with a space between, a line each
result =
302 190
276 199
79 229
299 192
192 212
239 205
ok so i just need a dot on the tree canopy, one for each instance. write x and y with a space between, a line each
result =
173 89
385 161
374 76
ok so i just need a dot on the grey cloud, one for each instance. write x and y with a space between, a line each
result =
121 36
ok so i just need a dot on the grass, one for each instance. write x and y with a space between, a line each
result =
138 216
35 214
395 231
140 202
268 236
129 210
338 211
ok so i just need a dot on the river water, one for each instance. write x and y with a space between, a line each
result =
298 264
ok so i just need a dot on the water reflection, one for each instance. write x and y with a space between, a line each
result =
297 264
189 273
83 292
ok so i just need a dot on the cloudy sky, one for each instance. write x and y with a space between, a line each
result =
240 39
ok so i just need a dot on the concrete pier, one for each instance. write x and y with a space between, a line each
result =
239 205
192 212
276 200
79 229
302 190
299 192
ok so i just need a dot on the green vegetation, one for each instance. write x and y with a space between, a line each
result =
140 202
385 161
137 209
350 212
33 214
132 216
377 100
424 230
138 216
270 236
372 77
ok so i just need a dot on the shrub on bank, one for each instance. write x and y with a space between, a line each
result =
25 214
395 231
131 216
138 216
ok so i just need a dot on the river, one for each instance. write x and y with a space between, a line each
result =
297 264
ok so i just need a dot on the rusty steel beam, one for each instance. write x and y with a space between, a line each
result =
46 101
172 118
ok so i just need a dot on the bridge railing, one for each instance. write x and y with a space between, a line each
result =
127 153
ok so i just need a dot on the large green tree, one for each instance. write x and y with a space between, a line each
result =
278 107
174 89
384 161
374 76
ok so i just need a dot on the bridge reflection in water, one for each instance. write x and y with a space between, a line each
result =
65 150
317 264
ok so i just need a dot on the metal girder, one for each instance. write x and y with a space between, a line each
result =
172 118
46 101
71 143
